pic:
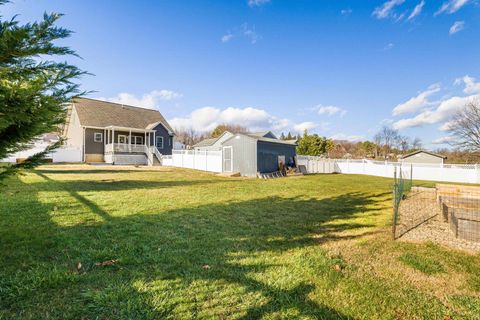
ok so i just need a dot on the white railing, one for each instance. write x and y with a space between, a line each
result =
125 147
192 159
157 154
466 173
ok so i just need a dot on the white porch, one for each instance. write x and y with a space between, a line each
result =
131 146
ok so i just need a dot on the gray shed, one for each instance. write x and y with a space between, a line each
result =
256 152
421 156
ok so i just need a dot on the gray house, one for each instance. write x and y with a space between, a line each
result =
422 156
256 152
118 134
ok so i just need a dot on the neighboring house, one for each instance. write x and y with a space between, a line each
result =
212 144
249 153
422 156
118 134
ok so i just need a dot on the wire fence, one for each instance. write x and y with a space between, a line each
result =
447 214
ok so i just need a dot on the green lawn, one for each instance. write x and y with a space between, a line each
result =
190 245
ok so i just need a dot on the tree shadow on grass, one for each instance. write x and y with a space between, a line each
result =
234 249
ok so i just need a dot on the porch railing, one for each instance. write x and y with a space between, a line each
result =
125 147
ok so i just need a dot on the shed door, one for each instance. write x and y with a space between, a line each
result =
227 159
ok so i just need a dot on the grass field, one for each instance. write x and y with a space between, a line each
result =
101 243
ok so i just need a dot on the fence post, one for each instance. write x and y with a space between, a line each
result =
394 220
476 180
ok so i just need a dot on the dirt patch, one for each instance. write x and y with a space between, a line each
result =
438 231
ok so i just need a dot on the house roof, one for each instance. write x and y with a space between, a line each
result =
423 151
98 113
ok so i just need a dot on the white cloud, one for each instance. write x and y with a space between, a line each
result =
443 140
346 12
417 102
301 127
388 46
471 86
148 100
245 30
351 138
227 37
443 112
257 3
456 27
250 33
417 10
386 9
451 6
331 110
207 118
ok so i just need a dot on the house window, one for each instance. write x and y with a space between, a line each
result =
138 140
98 137
159 143
122 138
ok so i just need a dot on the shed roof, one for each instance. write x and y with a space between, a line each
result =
423 151
98 113
264 134
265 139
206 142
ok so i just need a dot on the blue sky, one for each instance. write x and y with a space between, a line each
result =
339 68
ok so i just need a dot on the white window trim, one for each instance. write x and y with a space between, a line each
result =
135 139
122 136
156 142
97 134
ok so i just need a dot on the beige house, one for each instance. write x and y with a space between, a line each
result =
116 133
421 156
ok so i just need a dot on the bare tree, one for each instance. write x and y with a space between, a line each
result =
386 139
189 137
404 143
465 127
417 144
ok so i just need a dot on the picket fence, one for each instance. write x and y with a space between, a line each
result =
466 173
193 159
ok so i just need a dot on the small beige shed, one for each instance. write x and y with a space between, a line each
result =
422 156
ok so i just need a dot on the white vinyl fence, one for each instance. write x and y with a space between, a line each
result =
63 154
467 173
192 159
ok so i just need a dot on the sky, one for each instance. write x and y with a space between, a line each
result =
342 69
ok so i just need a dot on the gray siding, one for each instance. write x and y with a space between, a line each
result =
167 139
92 147
268 153
244 154
423 158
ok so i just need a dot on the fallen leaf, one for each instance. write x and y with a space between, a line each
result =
206 267
79 266
337 268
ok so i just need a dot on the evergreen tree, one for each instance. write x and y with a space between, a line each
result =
289 136
33 89
282 136
314 145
